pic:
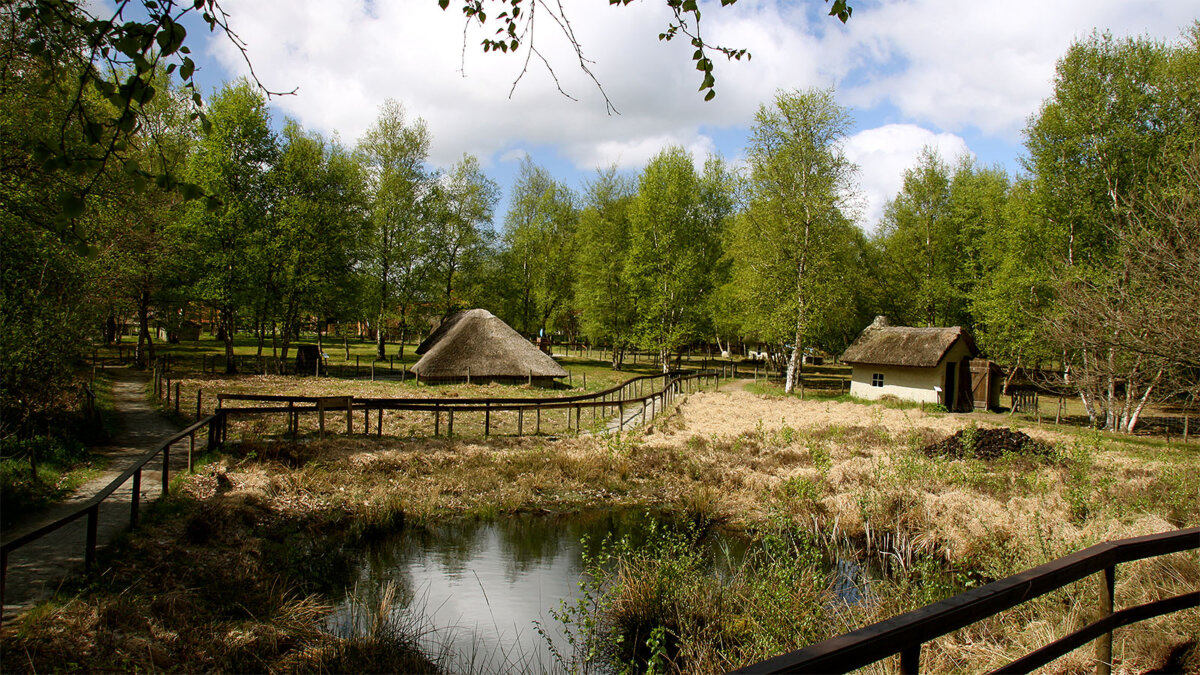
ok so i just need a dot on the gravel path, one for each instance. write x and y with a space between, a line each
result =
37 569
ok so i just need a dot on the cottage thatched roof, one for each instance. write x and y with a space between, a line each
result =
882 344
488 347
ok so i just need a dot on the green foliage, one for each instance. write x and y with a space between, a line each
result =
538 255
602 292
404 206
792 246
226 243
674 224
61 467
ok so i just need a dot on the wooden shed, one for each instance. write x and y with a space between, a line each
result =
926 365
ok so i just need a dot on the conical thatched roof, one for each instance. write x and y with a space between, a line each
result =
882 344
476 340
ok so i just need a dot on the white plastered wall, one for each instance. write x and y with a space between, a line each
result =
906 383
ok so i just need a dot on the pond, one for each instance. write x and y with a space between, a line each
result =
482 594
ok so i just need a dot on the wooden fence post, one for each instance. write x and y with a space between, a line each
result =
176 398
437 420
1104 642
450 423
134 498
89 552
487 419
349 414
199 396
520 421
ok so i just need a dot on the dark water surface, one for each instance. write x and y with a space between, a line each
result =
479 587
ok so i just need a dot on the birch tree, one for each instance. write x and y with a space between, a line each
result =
403 200
788 239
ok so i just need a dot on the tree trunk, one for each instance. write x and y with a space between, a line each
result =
145 346
1137 412
227 332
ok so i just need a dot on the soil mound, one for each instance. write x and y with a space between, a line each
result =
974 443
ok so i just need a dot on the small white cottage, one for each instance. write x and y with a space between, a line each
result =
926 365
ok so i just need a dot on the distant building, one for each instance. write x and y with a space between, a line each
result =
476 344
927 365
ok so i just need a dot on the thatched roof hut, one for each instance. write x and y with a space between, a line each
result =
930 365
476 344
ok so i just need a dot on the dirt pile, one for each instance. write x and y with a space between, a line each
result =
976 443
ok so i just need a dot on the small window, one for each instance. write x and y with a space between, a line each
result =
876 379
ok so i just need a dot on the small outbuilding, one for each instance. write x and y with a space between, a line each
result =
925 365
475 345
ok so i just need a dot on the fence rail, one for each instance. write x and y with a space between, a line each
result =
91 508
640 391
904 634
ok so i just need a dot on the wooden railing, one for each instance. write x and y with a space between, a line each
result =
91 508
904 634
617 399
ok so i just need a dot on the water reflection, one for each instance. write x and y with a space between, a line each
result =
483 585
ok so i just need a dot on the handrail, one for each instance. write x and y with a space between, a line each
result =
90 508
905 633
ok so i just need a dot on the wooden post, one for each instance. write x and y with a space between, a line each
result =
199 399
487 419
450 423
356 365
89 551
372 370
437 419
538 431
910 660
520 420
1104 642
366 420
576 417
134 498
321 417
379 423
176 398
585 379
349 417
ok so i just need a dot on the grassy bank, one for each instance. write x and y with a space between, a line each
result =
273 528
62 459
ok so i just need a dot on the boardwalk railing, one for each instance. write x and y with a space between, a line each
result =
646 396
904 634
91 508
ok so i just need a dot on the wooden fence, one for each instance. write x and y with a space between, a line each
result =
640 397
906 633
91 508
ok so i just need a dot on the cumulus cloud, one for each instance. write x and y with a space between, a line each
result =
882 155
933 65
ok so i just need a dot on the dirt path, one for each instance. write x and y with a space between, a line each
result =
37 569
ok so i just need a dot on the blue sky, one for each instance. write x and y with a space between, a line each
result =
961 76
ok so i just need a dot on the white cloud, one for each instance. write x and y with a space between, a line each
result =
966 68
882 155
986 65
